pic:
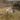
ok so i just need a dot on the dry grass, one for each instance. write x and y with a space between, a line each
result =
11 17
14 16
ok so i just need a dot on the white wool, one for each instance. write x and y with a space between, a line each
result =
9 10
